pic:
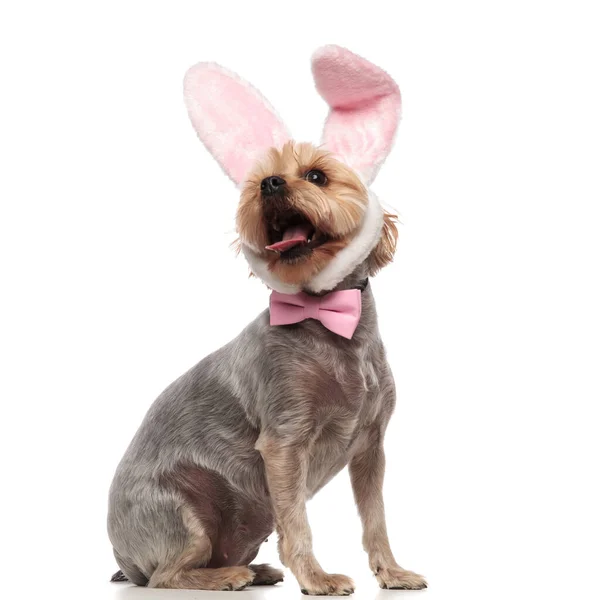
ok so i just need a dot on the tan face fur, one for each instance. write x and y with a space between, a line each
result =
332 208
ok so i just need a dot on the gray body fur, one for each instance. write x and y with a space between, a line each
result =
297 382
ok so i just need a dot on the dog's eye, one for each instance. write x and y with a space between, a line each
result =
316 177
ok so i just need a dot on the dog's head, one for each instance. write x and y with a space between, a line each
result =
306 217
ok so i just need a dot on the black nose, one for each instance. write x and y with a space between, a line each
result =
270 185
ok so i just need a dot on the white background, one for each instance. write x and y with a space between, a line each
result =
116 276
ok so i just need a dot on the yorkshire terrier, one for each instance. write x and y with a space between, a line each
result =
235 447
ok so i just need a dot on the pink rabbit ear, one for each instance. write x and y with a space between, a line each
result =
232 118
365 108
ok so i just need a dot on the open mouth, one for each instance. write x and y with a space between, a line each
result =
293 236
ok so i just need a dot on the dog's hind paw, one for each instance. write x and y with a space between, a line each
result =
266 575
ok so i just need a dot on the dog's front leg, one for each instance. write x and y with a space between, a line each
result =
366 472
286 466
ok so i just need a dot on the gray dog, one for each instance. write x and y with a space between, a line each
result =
237 445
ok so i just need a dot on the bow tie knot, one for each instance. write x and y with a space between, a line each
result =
337 311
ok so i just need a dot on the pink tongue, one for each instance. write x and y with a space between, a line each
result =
292 236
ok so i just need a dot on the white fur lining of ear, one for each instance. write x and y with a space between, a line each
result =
348 258
339 267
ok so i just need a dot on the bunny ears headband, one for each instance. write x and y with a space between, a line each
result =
237 124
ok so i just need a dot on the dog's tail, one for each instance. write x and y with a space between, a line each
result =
119 576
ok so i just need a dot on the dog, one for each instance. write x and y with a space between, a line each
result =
235 447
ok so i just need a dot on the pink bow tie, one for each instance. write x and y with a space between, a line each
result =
338 311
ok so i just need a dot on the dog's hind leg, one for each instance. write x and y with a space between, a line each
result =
186 571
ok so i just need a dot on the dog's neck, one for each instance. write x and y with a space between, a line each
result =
359 279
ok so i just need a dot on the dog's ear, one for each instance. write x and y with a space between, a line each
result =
365 108
232 118
384 251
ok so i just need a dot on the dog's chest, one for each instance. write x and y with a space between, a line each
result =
354 379
333 450
345 417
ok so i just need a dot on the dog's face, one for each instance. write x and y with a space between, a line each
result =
299 208
306 220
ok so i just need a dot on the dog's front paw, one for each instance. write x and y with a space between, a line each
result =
328 585
396 578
